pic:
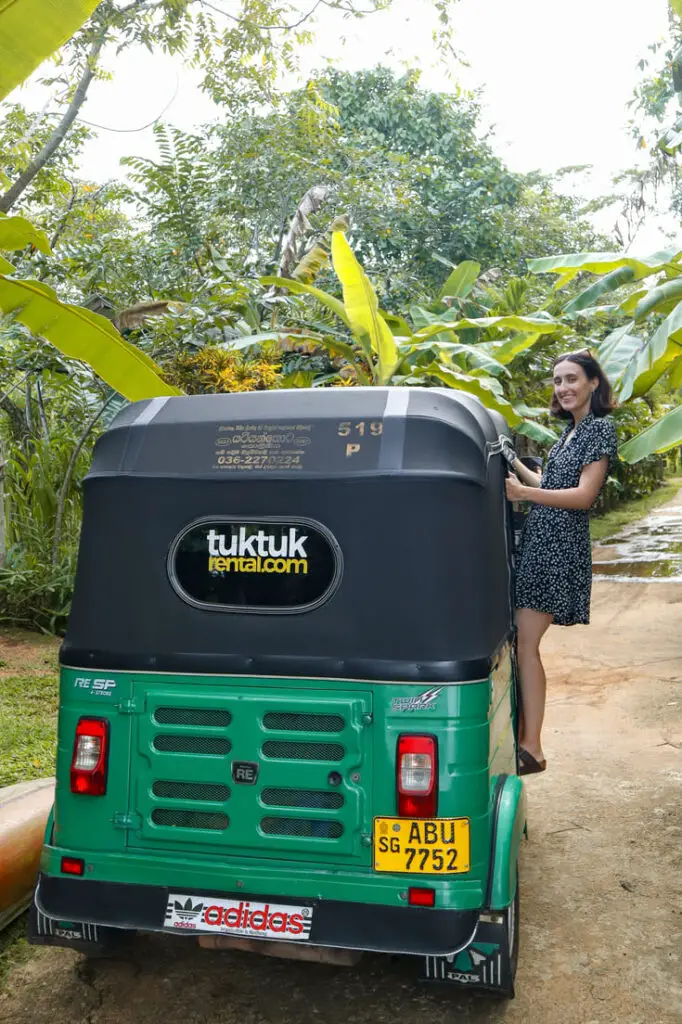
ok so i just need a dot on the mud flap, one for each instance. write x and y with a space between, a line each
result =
91 939
484 965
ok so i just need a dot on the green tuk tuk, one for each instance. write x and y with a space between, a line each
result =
288 686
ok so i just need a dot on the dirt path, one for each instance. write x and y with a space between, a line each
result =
601 932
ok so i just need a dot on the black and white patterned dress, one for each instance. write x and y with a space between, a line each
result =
555 569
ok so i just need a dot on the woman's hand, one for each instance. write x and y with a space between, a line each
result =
515 489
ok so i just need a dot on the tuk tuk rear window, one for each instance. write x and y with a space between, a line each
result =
265 565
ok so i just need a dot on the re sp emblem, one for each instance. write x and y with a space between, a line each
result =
244 773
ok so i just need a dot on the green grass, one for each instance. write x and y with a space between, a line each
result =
629 512
14 948
29 695
28 727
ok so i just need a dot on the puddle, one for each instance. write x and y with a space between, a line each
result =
650 549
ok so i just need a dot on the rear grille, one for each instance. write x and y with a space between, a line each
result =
214 745
192 716
293 751
302 827
273 797
190 819
192 791
288 722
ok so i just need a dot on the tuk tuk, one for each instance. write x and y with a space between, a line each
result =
288 687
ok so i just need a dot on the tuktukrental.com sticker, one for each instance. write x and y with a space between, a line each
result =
229 917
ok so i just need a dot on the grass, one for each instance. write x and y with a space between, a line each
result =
29 697
14 948
629 512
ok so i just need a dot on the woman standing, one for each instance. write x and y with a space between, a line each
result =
554 577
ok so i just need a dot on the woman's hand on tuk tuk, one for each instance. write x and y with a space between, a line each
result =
516 491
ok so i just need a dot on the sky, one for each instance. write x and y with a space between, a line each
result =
556 78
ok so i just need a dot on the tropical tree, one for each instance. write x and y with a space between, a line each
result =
645 350
385 349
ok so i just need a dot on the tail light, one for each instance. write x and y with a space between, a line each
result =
417 776
90 754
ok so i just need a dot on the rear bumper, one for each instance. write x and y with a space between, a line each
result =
345 925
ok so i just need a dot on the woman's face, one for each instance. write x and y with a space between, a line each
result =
572 386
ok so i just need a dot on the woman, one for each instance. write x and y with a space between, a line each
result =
554 577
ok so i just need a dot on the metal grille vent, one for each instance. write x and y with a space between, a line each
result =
290 722
192 716
302 827
292 751
301 798
192 744
191 791
190 819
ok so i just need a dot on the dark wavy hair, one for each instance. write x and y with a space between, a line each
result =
602 401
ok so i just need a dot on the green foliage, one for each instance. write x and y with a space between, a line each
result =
30 30
635 364
217 370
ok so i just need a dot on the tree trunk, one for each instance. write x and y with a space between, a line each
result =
58 135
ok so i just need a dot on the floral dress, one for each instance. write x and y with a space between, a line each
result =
555 569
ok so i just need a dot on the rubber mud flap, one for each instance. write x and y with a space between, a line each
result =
90 939
485 965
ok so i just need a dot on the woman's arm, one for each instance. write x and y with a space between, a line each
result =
581 497
530 477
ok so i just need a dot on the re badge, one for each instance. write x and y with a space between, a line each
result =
244 773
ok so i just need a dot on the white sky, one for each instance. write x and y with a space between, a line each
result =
556 79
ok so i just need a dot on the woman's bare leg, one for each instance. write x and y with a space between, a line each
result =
531 626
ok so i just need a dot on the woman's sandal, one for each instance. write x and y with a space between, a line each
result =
528 765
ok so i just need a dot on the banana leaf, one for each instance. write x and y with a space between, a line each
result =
30 30
362 307
507 351
538 323
298 288
617 351
399 326
476 355
605 284
658 438
655 357
461 280
482 389
86 336
604 263
17 233
536 431
654 299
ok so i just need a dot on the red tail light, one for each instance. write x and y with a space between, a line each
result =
90 754
418 897
417 776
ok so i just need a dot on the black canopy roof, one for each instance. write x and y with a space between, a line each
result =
398 493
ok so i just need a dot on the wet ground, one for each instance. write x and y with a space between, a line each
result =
650 549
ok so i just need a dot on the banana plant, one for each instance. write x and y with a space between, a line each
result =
75 331
31 30
634 358
384 349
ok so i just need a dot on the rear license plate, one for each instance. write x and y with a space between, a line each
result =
422 846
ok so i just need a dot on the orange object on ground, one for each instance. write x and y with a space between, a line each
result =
23 814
